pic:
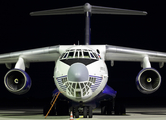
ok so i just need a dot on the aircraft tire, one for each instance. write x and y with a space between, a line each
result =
90 112
76 112
85 112
109 107
103 110
117 109
123 110
120 109
103 105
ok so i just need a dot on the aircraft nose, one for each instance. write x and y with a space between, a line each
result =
78 73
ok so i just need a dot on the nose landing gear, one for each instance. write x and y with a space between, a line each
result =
87 111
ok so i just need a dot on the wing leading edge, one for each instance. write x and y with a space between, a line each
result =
116 53
44 54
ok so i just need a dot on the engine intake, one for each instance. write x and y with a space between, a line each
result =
17 81
148 80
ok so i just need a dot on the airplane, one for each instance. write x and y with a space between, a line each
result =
80 72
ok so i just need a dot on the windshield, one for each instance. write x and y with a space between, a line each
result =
79 53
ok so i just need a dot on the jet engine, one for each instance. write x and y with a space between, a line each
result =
148 80
17 81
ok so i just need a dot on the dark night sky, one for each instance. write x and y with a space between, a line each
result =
20 31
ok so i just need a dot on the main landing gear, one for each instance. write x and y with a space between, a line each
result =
112 107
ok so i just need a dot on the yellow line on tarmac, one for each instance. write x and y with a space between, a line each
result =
80 117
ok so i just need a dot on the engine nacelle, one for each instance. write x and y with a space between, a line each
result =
148 80
17 81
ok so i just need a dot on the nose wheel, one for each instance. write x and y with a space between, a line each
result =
87 111
90 112
76 112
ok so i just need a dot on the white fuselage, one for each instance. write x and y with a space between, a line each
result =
80 74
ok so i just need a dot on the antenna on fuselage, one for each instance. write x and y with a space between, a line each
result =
88 9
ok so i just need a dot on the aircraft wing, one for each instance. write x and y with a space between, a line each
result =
116 53
44 54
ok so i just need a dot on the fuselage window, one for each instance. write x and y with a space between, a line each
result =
94 80
84 90
78 87
86 55
74 84
78 94
64 80
72 90
67 84
82 85
70 54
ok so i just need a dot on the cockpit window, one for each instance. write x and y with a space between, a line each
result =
76 54
62 56
79 53
65 55
70 54
86 55
92 56
96 55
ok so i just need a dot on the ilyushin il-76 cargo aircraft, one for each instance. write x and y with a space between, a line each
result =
80 72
